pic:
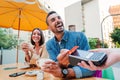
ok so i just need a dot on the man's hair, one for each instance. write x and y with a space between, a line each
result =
51 12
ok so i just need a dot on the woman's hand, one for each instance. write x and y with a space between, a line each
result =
26 47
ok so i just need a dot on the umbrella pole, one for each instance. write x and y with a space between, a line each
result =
17 53
17 47
18 34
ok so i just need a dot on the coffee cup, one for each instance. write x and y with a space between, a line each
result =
41 61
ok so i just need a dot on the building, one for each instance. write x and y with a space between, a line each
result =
89 16
115 13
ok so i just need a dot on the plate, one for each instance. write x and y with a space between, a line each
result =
32 73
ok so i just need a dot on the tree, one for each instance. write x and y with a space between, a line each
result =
96 43
7 41
115 35
93 43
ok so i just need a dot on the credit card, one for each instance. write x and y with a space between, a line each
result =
73 49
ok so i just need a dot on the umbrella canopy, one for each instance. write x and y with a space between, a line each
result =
21 16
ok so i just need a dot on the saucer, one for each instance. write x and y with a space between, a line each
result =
32 73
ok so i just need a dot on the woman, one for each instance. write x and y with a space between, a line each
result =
38 50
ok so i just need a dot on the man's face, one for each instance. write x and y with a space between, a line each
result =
55 23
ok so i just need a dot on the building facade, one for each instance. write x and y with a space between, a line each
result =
87 15
115 13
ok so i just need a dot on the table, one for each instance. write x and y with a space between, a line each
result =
4 74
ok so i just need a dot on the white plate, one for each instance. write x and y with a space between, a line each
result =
32 73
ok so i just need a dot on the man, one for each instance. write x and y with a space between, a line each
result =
113 57
64 40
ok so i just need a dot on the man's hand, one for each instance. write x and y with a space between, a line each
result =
63 58
52 68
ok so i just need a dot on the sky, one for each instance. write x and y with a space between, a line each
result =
57 4
114 2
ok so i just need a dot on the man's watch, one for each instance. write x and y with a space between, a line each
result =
64 72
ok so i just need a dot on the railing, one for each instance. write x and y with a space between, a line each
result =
1 55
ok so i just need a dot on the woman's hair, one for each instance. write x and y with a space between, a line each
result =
42 40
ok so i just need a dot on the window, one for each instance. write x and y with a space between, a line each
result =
71 28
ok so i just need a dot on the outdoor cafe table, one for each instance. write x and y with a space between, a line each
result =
4 74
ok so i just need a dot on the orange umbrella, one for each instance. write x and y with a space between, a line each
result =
21 16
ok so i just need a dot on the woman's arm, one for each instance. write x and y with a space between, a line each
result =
27 48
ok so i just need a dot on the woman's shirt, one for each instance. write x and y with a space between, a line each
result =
42 54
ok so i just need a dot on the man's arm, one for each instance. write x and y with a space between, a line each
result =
54 68
79 72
